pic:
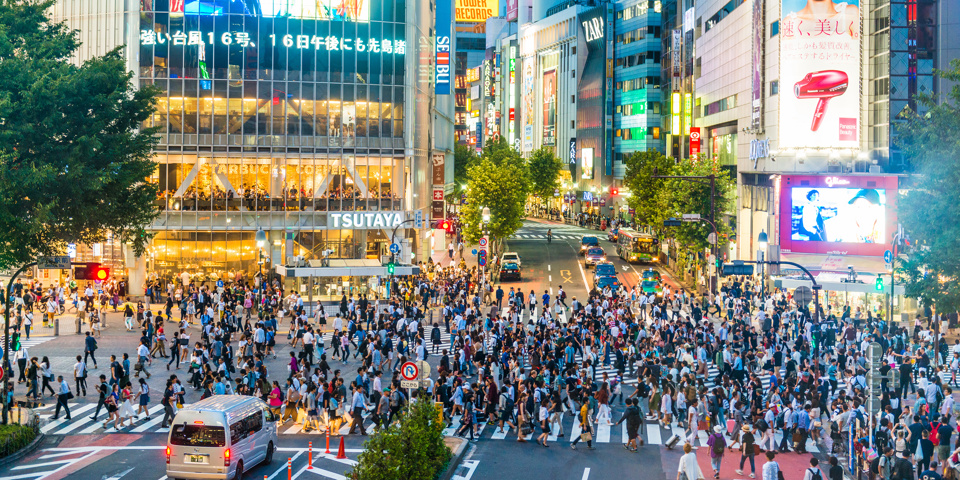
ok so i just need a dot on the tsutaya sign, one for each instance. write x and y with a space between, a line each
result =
366 220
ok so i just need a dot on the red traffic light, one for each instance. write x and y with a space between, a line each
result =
100 273
614 191
91 271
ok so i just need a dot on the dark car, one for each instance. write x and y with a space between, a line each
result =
605 282
588 241
594 256
612 234
604 270
510 270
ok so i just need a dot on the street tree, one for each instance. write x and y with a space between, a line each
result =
74 160
929 209
649 197
544 169
411 447
694 196
500 182
464 157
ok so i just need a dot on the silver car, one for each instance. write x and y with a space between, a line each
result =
593 256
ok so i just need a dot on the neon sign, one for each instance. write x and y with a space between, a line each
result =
831 181
300 42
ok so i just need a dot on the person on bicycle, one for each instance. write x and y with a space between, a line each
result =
549 235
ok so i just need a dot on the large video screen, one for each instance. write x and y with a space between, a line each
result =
849 215
350 10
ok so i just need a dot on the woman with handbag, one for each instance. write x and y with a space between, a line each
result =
689 469
143 397
748 448
586 433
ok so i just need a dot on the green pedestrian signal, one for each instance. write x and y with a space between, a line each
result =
391 268
15 345
878 286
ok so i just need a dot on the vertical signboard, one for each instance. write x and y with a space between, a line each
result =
756 116
550 107
529 97
512 9
676 51
437 210
819 75
444 23
694 141
591 100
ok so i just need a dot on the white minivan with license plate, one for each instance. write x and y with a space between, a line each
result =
220 438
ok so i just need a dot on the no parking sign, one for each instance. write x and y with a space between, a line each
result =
410 375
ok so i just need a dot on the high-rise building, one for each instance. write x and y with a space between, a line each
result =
304 120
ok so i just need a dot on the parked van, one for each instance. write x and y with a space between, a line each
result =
220 437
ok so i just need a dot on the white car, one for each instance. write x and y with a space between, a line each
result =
510 257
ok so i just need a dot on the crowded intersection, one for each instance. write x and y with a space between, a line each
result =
615 374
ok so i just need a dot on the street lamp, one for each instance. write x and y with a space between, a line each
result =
762 242
485 215
261 238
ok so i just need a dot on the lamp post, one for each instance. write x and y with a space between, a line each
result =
261 238
762 243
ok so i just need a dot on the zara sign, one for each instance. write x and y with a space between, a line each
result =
367 220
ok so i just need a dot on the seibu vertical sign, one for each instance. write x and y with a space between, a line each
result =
444 40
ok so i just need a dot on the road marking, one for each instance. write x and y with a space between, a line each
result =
323 473
47 464
586 474
603 433
548 268
121 474
56 423
583 274
153 421
283 467
470 465
653 434
550 279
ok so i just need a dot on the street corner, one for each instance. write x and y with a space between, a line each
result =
791 464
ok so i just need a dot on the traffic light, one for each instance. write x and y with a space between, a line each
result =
614 191
878 286
737 268
672 222
15 344
91 271
391 268
445 225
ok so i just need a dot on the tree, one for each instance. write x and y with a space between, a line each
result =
689 196
544 168
411 447
930 210
649 197
498 181
464 157
74 160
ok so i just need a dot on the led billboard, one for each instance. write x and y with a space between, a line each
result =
354 10
819 74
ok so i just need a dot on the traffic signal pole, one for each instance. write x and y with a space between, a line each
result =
6 337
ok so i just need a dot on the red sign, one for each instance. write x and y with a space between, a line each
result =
438 194
694 141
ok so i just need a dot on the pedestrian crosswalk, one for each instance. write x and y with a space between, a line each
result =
543 236
28 342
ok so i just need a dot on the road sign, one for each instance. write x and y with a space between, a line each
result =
418 219
888 256
803 295
219 283
1 375
424 369
394 248
483 242
482 258
409 371
409 384
691 217
473 252
56 262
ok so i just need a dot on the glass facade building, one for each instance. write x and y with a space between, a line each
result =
272 114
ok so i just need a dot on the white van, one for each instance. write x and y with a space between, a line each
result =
220 437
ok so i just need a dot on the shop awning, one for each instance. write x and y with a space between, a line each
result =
346 268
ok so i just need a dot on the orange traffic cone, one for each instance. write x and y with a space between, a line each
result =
341 453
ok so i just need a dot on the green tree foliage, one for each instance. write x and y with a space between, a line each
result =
464 157
499 181
648 196
411 447
688 196
73 158
544 169
930 209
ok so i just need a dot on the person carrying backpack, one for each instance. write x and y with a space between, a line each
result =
813 473
717 444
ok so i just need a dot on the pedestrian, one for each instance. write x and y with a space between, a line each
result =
717 444
47 374
143 356
112 403
143 398
63 396
689 469
357 406
103 389
544 415
80 375
89 349
168 401
747 450
771 469
126 406
814 473
586 434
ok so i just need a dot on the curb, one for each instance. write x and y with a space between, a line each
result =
455 460
23 452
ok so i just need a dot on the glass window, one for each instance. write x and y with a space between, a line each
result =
198 436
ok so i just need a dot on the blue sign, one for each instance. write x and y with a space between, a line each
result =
394 248
482 258
444 40
473 252
219 283
888 256
418 219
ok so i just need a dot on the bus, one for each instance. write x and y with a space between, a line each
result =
634 246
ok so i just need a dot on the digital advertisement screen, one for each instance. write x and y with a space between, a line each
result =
849 215
820 74
352 10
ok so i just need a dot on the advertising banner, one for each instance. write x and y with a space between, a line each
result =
694 141
475 11
676 54
819 74
444 24
837 215
513 6
550 107
349 10
528 113
756 116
